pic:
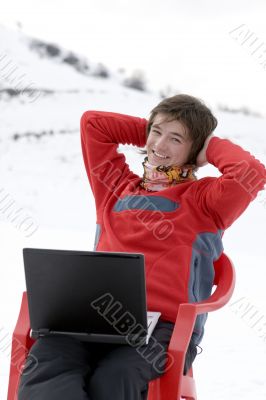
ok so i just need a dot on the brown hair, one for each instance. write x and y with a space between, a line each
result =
192 113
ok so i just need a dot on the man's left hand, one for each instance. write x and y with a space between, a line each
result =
201 157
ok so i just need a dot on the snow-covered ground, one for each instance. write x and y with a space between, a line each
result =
45 179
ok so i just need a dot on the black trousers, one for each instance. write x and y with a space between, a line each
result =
69 369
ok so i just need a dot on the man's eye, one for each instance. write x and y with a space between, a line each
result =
156 132
176 140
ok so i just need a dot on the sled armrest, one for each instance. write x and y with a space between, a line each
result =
22 328
187 312
185 321
21 343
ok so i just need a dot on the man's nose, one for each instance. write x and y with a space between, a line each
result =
160 143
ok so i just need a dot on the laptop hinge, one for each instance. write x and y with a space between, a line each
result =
38 333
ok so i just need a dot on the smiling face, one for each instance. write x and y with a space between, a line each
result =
168 143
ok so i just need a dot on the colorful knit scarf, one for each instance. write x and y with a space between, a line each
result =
162 177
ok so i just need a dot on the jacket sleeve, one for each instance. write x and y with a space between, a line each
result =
101 133
225 198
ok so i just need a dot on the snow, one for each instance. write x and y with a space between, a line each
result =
45 178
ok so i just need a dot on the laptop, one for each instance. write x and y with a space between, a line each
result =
94 296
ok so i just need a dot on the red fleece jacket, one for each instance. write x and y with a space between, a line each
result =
178 229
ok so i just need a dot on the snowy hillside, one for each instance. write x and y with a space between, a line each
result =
42 173
43 63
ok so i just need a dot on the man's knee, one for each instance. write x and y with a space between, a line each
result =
112 377
61 367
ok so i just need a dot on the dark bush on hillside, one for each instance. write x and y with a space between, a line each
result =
136 81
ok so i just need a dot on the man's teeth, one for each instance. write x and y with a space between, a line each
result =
159 155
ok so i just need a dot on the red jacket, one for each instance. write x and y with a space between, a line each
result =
179 229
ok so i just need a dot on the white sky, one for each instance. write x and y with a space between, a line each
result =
182 43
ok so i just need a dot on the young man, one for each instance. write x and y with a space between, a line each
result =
174 219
